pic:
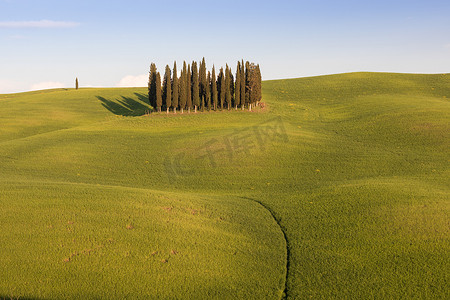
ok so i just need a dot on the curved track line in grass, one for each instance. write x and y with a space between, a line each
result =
265 207
285 291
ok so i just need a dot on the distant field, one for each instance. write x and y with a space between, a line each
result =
341 185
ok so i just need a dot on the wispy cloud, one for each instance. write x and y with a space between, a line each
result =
133 81
38 24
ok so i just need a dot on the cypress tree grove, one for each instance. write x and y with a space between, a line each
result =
152 86
242 85
208 91
175 89
195 86
237 96
167 89
214 88
158 92
188 89
222 88
227 87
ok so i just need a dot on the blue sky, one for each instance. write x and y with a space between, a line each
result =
48 43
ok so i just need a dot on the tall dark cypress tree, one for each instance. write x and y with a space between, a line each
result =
202 81
183 88
242 85
175 89
167 89
158 92
152 86
258 84
222 88
208 91
214 91
76 83
195 86
227 87
189 89
231 85
247 85
237 95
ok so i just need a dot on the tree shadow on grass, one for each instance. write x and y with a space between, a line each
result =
127 106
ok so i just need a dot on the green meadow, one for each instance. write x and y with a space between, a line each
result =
338 188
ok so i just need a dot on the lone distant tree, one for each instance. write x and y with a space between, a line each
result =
158 92
175 89
76 83
195 86
167 89
214 92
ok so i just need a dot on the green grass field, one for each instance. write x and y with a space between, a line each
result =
338 188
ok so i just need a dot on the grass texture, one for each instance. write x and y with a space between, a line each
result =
338 188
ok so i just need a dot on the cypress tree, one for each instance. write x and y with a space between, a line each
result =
158 92
188 89
258 84
222 88
237 96
227 87
203 83
247 85
208 91
242 85
214 88
183 88
195 86
152 86
175 89
167 89
76 83
231 85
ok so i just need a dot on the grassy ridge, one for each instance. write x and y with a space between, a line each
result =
359 187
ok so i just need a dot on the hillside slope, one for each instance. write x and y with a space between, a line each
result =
341 182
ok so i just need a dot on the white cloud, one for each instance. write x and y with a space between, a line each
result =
9 86
47 85
133 81
38 24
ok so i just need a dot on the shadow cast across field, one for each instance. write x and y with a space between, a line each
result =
127 106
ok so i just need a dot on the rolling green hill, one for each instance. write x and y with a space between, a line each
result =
338 188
